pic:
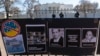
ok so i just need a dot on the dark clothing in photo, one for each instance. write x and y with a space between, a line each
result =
56 44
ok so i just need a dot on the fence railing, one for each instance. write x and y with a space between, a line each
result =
48 14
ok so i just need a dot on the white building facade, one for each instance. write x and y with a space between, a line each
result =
46 10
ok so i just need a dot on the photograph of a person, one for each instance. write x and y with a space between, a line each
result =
89 35
15 44
36 38
56 37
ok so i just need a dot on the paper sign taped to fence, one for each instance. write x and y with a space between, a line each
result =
15 44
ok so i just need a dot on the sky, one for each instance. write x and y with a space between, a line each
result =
74 2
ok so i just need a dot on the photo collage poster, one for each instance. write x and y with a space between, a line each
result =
36 38
12 37
73 37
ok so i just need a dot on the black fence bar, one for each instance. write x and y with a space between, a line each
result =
50 54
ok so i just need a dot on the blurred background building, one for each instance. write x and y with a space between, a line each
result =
34 9
46 10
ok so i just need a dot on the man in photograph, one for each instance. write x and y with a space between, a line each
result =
57 38
89 37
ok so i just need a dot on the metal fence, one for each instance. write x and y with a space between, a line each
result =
48 14
50 55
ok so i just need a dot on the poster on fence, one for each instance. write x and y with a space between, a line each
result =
13 40
36 38
56 37
73 36
89 37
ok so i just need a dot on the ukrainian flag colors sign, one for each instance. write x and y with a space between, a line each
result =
10 28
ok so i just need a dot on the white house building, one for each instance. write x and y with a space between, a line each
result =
46 10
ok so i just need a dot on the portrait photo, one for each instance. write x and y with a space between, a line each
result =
56 37
89 37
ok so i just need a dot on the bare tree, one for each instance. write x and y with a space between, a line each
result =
86 7
14 11
6 4
95 8
29 4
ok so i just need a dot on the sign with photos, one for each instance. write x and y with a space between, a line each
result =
36 38
55 36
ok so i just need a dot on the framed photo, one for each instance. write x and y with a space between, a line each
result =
56 37
73 37
36 38
89 37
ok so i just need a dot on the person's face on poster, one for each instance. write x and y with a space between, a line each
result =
89 35
55 33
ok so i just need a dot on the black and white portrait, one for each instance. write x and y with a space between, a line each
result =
56 37
89 35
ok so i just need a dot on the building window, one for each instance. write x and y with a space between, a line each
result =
45 11
54 9
50 9
57 9
65 10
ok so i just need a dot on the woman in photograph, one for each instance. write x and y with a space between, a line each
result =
57 39
89 37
